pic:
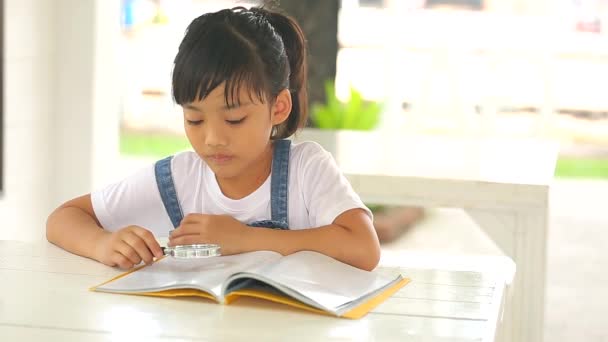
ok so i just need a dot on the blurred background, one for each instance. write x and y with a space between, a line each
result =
87 100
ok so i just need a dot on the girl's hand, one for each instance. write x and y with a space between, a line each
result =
127 247
222 230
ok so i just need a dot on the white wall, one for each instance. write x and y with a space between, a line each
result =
28 83
87 108
60 114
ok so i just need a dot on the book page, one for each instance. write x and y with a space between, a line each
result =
328 283
205 274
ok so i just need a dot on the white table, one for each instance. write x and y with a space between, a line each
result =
44 296
503 184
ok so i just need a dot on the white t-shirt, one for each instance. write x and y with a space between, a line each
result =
318 193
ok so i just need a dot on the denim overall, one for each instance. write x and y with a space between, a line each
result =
278 189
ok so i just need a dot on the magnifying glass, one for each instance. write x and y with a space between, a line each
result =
193 251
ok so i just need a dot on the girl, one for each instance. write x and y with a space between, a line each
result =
240 77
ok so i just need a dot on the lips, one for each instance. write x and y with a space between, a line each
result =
220 158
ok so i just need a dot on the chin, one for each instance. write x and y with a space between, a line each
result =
224 171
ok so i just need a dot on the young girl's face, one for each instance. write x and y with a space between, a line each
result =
233 141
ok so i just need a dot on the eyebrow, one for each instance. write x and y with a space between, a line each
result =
224 107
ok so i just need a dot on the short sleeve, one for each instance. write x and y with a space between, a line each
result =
134 200
327 192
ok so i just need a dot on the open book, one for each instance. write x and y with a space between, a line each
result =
306 280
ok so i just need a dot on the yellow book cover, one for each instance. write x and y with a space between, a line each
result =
306 280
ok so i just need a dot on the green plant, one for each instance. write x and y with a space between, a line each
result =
355 114
156 145
569 167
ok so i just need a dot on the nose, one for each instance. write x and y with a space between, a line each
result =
215 137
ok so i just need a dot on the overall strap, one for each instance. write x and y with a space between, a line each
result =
280 181
278 188
166 187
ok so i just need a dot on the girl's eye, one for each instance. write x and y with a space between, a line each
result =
194 122
235 122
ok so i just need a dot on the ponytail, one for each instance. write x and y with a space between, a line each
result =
295 47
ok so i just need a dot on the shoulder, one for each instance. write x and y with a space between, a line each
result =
305 152
188 171
186 157
185 163
309 160
325 191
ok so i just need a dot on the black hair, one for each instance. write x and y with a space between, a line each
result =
260 49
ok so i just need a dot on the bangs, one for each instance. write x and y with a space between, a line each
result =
217 55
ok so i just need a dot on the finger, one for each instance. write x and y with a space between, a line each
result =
128 251
139 245
192 218
186 240
121 261
196 219
186 229
150 241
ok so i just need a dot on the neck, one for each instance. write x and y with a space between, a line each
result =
256 174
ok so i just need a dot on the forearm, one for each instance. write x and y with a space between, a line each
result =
74 230
359 249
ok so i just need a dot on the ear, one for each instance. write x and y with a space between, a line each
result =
281 108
